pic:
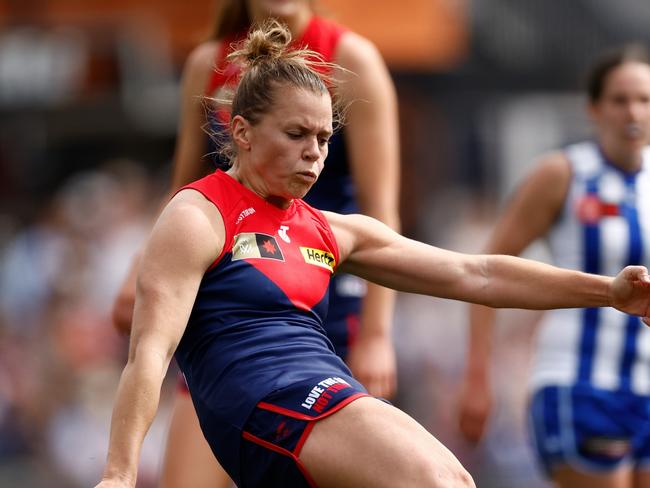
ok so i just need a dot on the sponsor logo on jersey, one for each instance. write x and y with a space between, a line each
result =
591 209
318 257
321 394
253 245
244 214
282 232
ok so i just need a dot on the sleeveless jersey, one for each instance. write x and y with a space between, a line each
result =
604 226
334 190
257 322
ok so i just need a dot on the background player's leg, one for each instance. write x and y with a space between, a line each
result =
188 459
566 477
642 478
371 443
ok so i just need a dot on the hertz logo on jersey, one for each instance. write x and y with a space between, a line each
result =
255 245
317 257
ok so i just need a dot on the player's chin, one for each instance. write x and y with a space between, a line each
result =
300 189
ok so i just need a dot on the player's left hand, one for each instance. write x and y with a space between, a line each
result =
630 292
372 361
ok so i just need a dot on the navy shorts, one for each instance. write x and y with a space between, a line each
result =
279 426
589 430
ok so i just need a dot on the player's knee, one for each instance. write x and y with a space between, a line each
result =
446 474
462 479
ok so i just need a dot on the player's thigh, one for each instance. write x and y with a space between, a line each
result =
642 478
371 443
188 459
567 477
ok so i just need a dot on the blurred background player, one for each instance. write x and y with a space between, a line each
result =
590 387
362 175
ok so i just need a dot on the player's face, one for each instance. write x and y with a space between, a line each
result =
282 9
622 114
285 151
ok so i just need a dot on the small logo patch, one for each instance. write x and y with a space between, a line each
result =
245 213
590 210
282 431
251 245
318 257
282 232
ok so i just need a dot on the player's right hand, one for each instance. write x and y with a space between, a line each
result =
474 407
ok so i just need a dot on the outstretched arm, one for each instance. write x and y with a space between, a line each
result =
373 251
372 142
186 239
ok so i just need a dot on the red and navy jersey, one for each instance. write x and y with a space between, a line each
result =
335 189
257 322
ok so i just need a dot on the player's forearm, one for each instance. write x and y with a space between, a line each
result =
495 281
517 283
377 311
135 408
379 302
480 339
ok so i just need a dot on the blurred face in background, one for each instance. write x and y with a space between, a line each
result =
281 9
622 113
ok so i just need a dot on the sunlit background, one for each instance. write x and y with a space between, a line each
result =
89 93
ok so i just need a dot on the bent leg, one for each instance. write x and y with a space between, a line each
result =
188 459
642 478
371 443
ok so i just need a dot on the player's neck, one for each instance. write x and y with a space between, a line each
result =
257 185
628 159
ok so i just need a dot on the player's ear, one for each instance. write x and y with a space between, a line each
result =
593 112
240 128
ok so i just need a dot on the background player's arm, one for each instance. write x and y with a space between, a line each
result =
188 163
191 142
372 142
527 217
186 239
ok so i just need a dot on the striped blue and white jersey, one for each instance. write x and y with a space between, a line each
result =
604 226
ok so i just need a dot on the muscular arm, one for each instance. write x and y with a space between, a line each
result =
373 251
373 149
186 239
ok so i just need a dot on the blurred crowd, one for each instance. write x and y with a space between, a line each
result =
60 357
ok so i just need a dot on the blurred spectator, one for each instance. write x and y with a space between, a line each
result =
40 67
59 355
